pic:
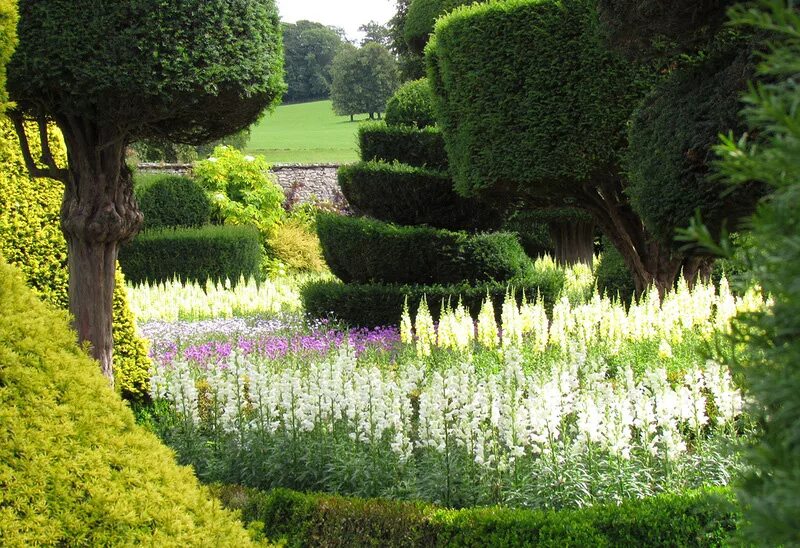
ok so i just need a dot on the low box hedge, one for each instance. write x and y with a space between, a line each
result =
408 195
697 518
375 304
406 144
359 249
199 254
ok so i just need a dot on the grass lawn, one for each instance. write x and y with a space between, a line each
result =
305 133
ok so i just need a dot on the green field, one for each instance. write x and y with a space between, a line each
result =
305 133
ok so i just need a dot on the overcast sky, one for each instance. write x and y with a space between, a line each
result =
348 14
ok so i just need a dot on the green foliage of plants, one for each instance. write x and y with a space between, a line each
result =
695 518
613 275
420 19
31 240
157 70
373 304
296 246
172 201
74 467
405 144
671 138
309 51
770 365
8 24
541 124
164 150
363 79
407 195
365 250
197 254
411 105
241 189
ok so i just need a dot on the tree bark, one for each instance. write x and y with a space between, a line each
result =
573 241
98 213
351 117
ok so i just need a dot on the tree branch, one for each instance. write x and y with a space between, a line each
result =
47 153
52 171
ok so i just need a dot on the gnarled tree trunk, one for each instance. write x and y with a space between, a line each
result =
573 241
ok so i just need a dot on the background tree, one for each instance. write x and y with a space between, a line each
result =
363 80
410 64
375 32
117 72
309 49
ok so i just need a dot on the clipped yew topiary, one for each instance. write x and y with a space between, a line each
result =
75 469
172 201
407 195
411 105
422 15
406 144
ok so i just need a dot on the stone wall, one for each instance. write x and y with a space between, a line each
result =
300 182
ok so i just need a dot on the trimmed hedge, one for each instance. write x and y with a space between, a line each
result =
366 250
404 144
697 518
75 469
172 201
406 195
529 98
420 18
198 254
411 105
376 304
31 239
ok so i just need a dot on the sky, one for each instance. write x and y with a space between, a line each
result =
347 14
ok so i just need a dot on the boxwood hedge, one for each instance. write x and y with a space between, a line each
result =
405 144
172 201
365 250
406 195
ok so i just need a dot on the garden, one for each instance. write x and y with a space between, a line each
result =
558 308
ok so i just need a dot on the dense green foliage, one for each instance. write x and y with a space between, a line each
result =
544 139
697 518
295 247
411 105
613 275
74 467
154 69
365 250
309 51
8 40
532 230
172 201
363 79
422 15
199 254
410 62
164 150
399 193
405 144
770 367
31 240
374 304
670 144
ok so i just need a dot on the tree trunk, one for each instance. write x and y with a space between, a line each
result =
379 115
371 115
99 212
351 117
573 241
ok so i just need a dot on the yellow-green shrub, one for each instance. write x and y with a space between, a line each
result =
296 247
75 469
31 239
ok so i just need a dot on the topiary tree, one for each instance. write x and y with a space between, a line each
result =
411 105
363 80
422 15
540 116
115 72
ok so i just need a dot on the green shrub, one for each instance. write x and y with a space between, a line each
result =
31 240
404 144
74 467
411 105
614 278
421 16
172 201
406 195
697 518
364 250
198 254
376 304
296 247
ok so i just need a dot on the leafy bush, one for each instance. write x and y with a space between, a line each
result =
404 144
614 278
241 189
74 467
411 105
31 240
172 201
197 254
422 15
296 247
374 304
408 195
363 250
696 518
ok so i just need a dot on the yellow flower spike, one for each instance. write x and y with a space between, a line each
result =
406 327
426 334
487 326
